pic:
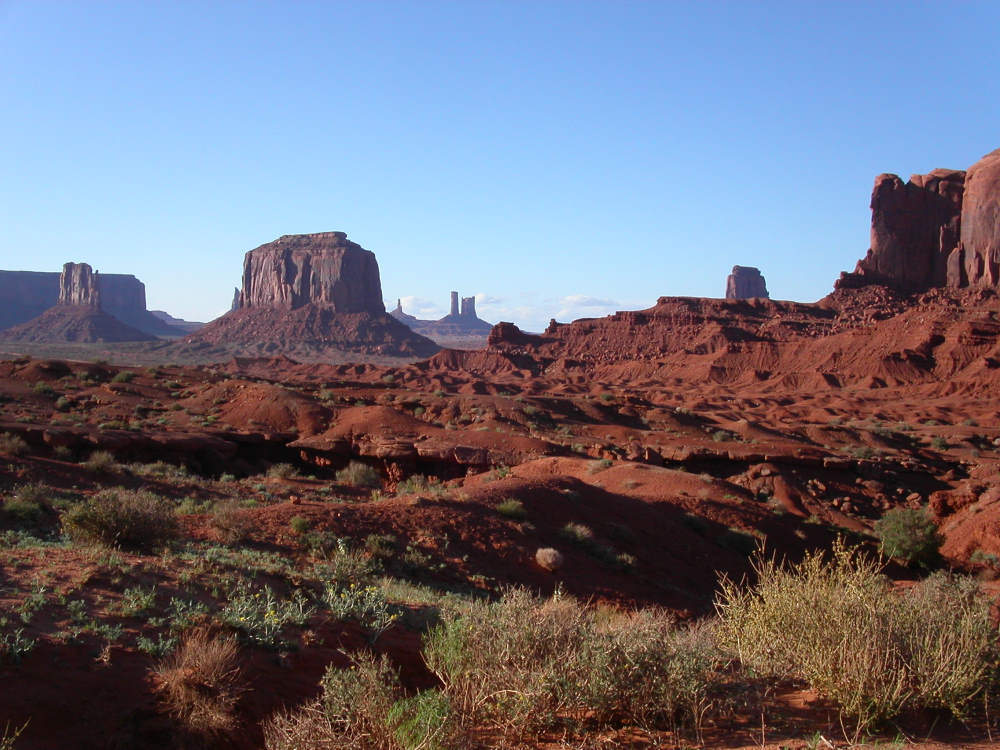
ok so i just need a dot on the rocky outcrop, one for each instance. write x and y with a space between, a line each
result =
461 322
977 261
27 294
746 282
78 286
311 296
938 229
301 269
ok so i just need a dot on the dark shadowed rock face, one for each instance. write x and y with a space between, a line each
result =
745 282
78 286
977 261
301 269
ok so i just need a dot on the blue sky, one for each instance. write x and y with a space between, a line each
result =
553 158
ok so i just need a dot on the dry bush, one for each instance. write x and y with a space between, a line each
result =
101 462
232 522
358 474
12 445
352 712
131 519
200 682
549 558
522 666
838 625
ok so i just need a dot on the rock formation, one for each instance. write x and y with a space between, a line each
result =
77 315
312 295
937 229
27 294
745 282
78 286
977 261
301 269
461 323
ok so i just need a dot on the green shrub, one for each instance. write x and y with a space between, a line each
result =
365 605
420 483
260 615
837 625
43 389
231 521
299 525
911 535
125 376
422 722
512 508
130 519
23 512
357 474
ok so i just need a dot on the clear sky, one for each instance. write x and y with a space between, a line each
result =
556 159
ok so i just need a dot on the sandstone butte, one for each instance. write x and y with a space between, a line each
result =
309 292
746 282
77 315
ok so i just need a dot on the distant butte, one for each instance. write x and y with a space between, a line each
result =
310 293
460 321
746 282
77 315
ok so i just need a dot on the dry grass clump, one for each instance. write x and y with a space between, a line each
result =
101 462
549 558
200 682
517 667
358 474
130 519
232 522
521 666
838 625
12 445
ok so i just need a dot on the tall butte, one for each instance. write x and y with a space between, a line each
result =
77 314
937 229
312 294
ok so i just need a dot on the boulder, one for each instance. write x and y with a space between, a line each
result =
745 282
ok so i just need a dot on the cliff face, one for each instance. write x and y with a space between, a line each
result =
937 229
325 268
977 261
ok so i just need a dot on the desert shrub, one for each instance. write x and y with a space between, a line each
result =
358 474
282 471
299 525
199 682
909 534
351 713
63 403
549 558
599 465
43 389
420 483
512 508
422 722
577 532
939 443
523 665
344 566
737 540
836 624
232 522
260 615
23 511
13 445
131 519
365 605
101 462
125 376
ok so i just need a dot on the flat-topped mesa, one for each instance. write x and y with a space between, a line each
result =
78 286
300 269
746 282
